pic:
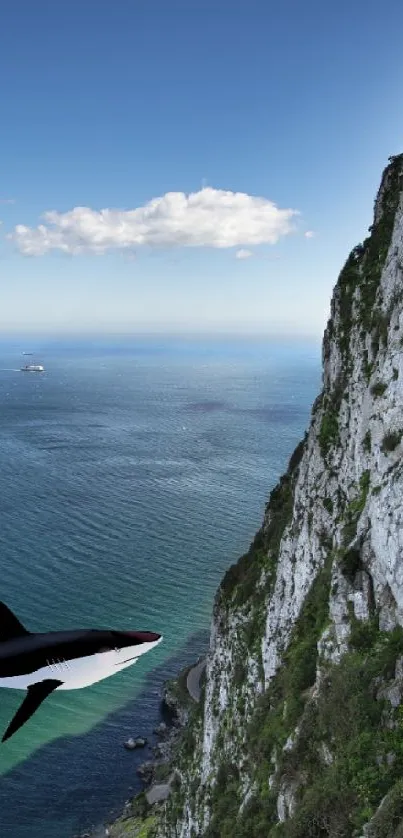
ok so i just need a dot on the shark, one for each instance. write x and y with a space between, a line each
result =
42 663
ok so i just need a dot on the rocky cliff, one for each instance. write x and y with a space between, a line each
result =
300 731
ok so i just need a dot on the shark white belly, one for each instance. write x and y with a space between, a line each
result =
77 673
74 675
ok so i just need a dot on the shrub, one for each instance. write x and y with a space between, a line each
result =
363 634
355 508
391 441
380 326
297 455
329 431
366 443
239 674
348 281
389 817
350 563
324 810
378 389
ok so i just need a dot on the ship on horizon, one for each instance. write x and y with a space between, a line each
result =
33 368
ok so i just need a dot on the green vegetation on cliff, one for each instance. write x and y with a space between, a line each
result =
357 289
240 582
363 734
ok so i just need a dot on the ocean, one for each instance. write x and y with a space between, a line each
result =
132 474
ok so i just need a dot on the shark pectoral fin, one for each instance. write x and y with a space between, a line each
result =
35 695
10 625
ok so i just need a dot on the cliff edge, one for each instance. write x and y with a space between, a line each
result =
300 728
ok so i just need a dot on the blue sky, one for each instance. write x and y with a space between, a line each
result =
110 105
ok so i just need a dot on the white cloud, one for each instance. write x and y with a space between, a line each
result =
310 234
243 254
208 218
7 200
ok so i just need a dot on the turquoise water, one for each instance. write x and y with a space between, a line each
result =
131 476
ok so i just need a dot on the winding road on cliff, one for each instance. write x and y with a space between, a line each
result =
193 680
160 791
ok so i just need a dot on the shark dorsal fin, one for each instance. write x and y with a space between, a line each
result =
10 626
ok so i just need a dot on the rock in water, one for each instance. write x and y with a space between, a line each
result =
131 744
161 729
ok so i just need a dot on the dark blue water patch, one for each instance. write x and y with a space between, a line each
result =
69 781
276 414
205 406
80 446
273 413
20 407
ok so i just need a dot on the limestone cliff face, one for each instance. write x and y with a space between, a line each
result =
306 649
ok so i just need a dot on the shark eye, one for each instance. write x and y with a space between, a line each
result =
104 649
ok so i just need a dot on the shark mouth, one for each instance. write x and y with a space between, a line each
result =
134 658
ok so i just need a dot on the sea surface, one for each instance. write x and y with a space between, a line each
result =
132 474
